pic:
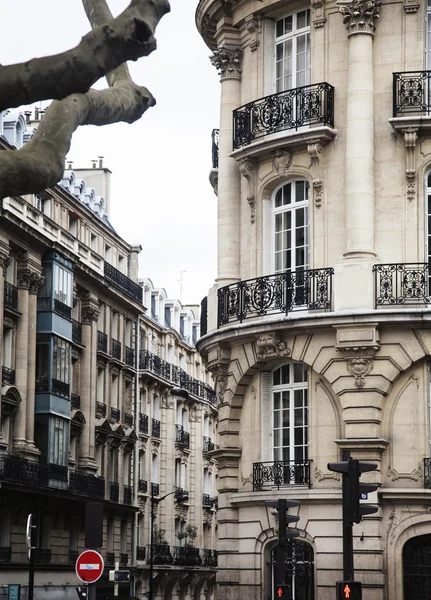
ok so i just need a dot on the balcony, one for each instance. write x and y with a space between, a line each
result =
85 484
75 400
110 559
143 423
155 364
58 472
127 494
62 309
399 284
114 491
5 554
100 409
102 342
59 388
140 552
161 554
123 283
214 147
207 445
185 556
8 376
25 472
182 438
76 332
207 501
204 316
116 349
155 428
10 296
281 473
181 495
130 357
142 486
292 109
124 559
280 293
155 489
128 419
42 556
412 93
115 414
209 558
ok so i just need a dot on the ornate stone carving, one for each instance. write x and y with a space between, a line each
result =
414 475
415 379
281 161
360 361
318 192
195 413
318 13
214 180
89 314
228 62
252 204
220 374
410 138
268 345
252 24
359 16
155 448
247 169
23 278
181 511
393 525
36 282
411 6
167 401
314 149
207 518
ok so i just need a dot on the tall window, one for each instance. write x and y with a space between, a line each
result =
428 37
292 46
290 414
291 226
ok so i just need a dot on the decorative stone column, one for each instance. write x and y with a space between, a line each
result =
360 17
36 281
227 61
89 316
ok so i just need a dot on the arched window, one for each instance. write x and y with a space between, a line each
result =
289 395
299 574
292 51
417 568
290 226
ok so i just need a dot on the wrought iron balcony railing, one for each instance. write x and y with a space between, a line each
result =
182 437
155 428
110 558
42 556
73 556
102 342
26 472
53 386
292 109
128 419
76 332
281 473
140 552
116 349
100 409
130 357
10 296
143 423
5 554
161 554
75 400
204 316
402 284
187 556
115 414
123 283
58 472
208 445
214 147
280 293
207 501
142 486
427 473
209 558
85 484
181 495
155 364
411 93
127 494
8 376
62 309
114 491
155 489
124 559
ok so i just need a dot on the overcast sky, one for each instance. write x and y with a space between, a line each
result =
161 197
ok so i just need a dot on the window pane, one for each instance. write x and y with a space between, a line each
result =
299 372
285 374
276 400
286 437
277 423
276 377
286 399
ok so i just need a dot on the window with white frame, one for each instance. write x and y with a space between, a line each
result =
290 226
289 393
292 51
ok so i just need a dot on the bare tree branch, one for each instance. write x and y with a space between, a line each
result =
128 37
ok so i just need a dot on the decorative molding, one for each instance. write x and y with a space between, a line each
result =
393 525
167 401
415 379
214 180
228 62
360 361
36 282
23 278
89 314
268 345
155 448
411 6
221 375
207 516
195 413
410 139
315 149
181 512
247 169
359 16
253 26
318 192
281 161
318 13
414 475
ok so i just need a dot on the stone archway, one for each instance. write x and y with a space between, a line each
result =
417 568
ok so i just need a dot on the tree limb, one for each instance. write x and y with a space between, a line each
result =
128 37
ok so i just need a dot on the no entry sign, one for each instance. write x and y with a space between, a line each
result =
89 566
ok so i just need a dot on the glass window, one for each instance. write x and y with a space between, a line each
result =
292 51
58 448
61 357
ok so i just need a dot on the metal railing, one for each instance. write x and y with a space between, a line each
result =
127 494
281 293
130 357
182 437
55 386
73 556
102 342
411 93
207 445
292 109
110 558
10 296
85 484
215 135
75 400
115 414
116 349
123 283
281 473
62 309
114 491
204 316
143 423
76 331
142 486
161 554
155 428
181 495
207 501
124 559
58 472
128 419
209 558
101 409
187 556
155 489
402 284
42 556
140 552
8 376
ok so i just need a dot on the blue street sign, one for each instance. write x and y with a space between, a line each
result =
364 496
13 591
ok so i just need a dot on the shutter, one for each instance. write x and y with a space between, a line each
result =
266 416
268 57
267 261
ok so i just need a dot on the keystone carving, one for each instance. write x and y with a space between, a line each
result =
247 169
359 16
220 374
228 62
281 161
252 24
269 346
360 361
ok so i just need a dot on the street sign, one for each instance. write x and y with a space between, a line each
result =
119 576
89 566
13 591
364 496
349 590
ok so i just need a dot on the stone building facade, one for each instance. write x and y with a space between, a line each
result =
318 330
87 413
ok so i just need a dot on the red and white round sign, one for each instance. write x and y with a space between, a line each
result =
89 566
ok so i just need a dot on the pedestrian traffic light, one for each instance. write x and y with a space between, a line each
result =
349 590
282 592
284 533
351 469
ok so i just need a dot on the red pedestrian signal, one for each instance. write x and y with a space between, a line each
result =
282 592
349 590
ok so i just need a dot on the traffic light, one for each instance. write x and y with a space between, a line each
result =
349 590
353 490
284 533
282 592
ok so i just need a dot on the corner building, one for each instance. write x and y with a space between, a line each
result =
318 324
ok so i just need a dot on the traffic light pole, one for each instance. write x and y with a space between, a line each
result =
348 569
281 548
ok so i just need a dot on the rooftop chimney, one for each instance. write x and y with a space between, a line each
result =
100 162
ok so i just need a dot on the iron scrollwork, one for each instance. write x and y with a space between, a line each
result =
281 473
411 93
402 284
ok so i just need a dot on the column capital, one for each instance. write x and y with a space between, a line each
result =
228 62
23 278
36 282
359 16
89 314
